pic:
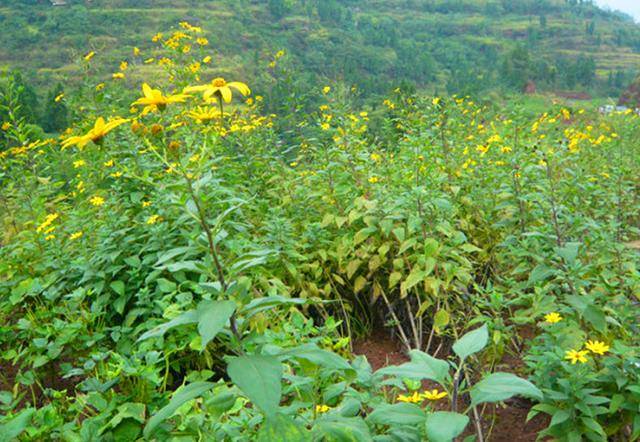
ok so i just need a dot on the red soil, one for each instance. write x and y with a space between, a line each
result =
510 419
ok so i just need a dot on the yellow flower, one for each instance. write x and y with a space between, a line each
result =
202 41
136 51
47 222
156 37
99 86
89 56
322 408
376 157
374 179
146 203
96 134
118 76
194 67
414 398
326 90
597 347
109 163
435 101
75 236
186 49
220 88
59 98
207 59
153 219
124 66
6 125
153 99
97 201
49 237
553 318
204 114
576 356
433 395
78 164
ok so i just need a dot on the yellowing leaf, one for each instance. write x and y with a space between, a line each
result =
359 284
352 268
394 278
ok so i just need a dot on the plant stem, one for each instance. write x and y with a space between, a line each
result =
405 340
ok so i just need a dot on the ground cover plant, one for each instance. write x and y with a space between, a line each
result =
181 264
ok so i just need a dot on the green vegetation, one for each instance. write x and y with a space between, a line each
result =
463 46
193 260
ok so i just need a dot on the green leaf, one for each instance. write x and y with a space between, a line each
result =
569 252
438 369
422 366
262 304
415 277
282 428
397 414
539 273
127 431
17 424
444 426
593 425
559 417
166 286
501 386
441 319
118 287
188 317
259 377
318 356
181 396
212 317
129 410
472 342
332 428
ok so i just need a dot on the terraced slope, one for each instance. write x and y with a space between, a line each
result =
458 44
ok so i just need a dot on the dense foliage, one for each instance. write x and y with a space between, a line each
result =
184 265
461 46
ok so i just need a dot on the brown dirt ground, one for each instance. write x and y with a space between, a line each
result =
510 419
633 245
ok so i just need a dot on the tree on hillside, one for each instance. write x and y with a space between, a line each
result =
516 67
278 8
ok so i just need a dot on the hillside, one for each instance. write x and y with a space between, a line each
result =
461 45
